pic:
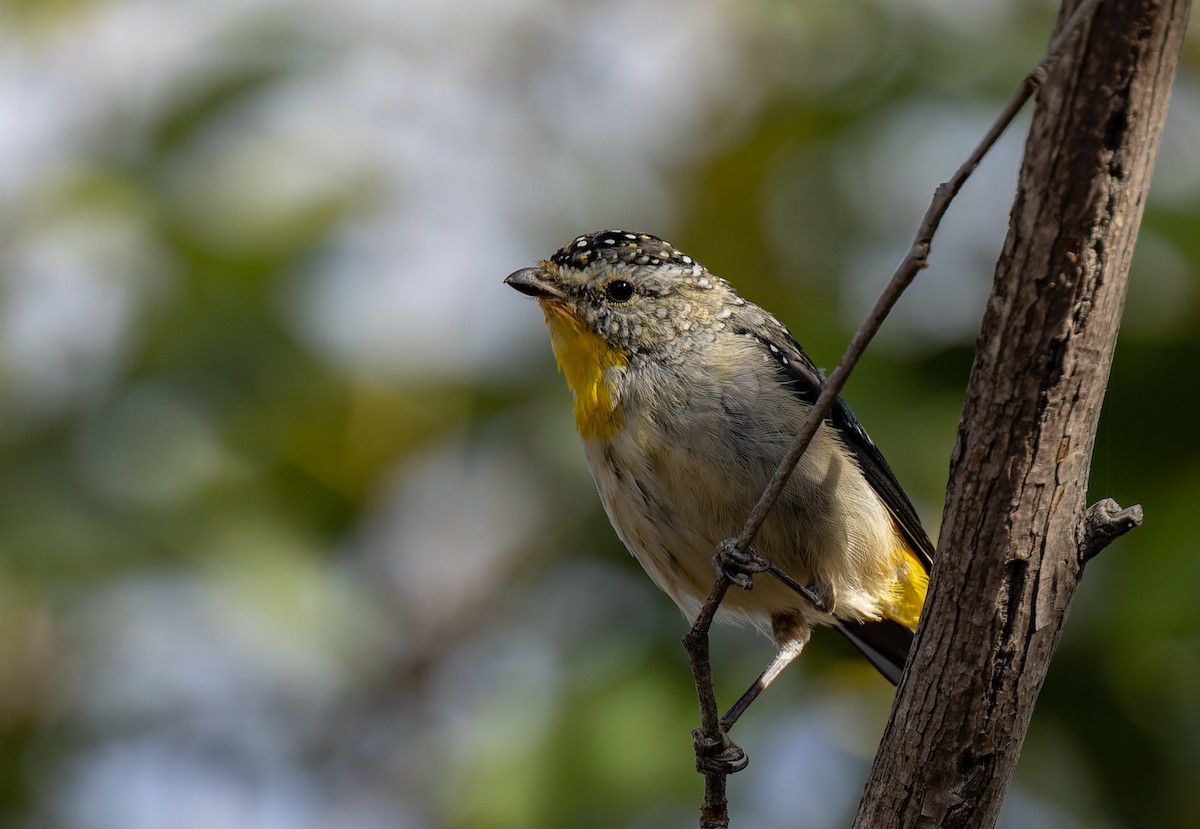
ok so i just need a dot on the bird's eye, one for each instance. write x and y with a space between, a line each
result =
618 290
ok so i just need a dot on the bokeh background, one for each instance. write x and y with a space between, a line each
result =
294 528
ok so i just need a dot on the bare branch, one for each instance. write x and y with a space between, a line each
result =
1012 546
1103 523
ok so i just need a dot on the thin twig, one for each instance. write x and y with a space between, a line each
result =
914 262
714 809
695 642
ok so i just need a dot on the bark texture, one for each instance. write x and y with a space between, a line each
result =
1012 546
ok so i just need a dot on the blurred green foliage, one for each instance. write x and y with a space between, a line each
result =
293 527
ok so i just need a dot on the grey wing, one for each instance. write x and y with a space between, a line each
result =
884 643
883 480
806 381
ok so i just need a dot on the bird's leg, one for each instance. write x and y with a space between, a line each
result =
791 635
818 592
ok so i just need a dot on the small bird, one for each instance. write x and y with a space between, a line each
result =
687 397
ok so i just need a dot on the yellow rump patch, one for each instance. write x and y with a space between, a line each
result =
582 356
908 592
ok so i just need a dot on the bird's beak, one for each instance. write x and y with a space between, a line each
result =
532 282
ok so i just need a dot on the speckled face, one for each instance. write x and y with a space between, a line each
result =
633 289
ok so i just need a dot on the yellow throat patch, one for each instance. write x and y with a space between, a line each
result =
582 357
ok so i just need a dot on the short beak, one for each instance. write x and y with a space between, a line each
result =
532 282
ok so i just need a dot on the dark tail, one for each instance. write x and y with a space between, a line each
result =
884 643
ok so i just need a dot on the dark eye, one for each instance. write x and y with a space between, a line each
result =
618 290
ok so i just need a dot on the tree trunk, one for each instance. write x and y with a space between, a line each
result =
1014 538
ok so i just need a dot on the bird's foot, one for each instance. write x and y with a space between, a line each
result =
737 565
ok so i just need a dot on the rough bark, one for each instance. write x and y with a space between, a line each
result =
1014 538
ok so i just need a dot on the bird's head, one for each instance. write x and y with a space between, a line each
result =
633 291
612 297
